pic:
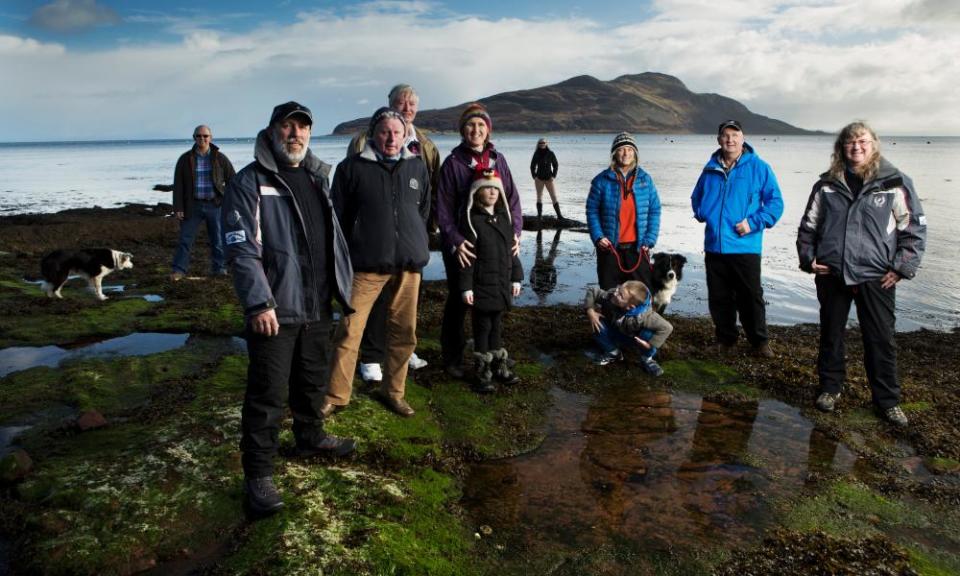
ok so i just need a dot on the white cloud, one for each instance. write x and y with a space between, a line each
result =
67 15
805 62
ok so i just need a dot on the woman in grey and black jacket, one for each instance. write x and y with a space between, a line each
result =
862 232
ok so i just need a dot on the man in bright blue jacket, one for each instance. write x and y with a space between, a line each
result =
737 196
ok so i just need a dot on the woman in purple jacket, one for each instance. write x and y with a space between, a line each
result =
473 155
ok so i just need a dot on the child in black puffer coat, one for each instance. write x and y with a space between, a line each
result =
492 280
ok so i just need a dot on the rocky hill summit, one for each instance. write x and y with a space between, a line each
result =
641 103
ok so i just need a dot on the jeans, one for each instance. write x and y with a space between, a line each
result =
610 338
203 211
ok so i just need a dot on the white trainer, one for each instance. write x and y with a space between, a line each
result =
416 362
371 372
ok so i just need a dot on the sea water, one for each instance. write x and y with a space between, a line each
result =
49 177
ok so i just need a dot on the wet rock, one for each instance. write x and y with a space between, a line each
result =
15 466
91 420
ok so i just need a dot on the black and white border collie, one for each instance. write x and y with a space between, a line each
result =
92 264
667 273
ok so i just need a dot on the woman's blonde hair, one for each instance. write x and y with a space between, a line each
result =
838 160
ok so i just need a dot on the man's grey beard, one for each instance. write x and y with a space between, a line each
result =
280 150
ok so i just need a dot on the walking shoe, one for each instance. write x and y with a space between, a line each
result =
607 357
262 496
827 401
416 362
371 372
895 416
454 371
398 406
763 351
329 408
330 446
651 367
177 276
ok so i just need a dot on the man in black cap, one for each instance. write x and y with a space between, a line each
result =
290 262
737 197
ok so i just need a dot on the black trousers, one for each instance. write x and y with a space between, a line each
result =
733 287
294 365
487 328
452 341
373 344
609 274
876 312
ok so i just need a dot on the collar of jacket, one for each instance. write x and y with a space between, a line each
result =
888 176
640 308
369 153
638 172
263 154
464 153
747 157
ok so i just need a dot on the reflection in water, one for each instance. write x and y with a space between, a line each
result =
543 273
19 358
659 470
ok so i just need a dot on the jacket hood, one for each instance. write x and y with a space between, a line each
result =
464 153
368 152
612 173
714 163
263 154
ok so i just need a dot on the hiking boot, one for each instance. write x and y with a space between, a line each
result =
607 358
262 496
651 367
398 406
895 416
501 368
330 446
483 373
177 276
827 401
763 351
723 348
416 362
371 372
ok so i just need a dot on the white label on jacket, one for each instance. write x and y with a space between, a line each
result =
268 191
414 184
235 237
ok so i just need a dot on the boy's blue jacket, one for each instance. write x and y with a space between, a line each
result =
603 208
722 200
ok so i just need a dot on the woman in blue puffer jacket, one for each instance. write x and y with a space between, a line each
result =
623 214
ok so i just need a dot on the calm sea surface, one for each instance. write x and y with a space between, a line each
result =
52 177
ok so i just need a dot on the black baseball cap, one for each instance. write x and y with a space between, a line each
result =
729 124
284 111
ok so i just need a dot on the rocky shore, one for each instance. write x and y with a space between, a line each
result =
127 462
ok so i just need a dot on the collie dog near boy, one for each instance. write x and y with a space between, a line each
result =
667 274
92 264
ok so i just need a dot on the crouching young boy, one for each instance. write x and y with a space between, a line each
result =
624 317
492 280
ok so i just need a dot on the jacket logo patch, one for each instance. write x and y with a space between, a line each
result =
235 237
414 184
922 220
879 200
268 191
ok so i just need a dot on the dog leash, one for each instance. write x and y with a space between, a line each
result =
644 255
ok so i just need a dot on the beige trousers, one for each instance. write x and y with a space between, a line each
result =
401 333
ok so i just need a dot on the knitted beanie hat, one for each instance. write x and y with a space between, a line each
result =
623 139
476 110
381 114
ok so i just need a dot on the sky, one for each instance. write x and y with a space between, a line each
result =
131 69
